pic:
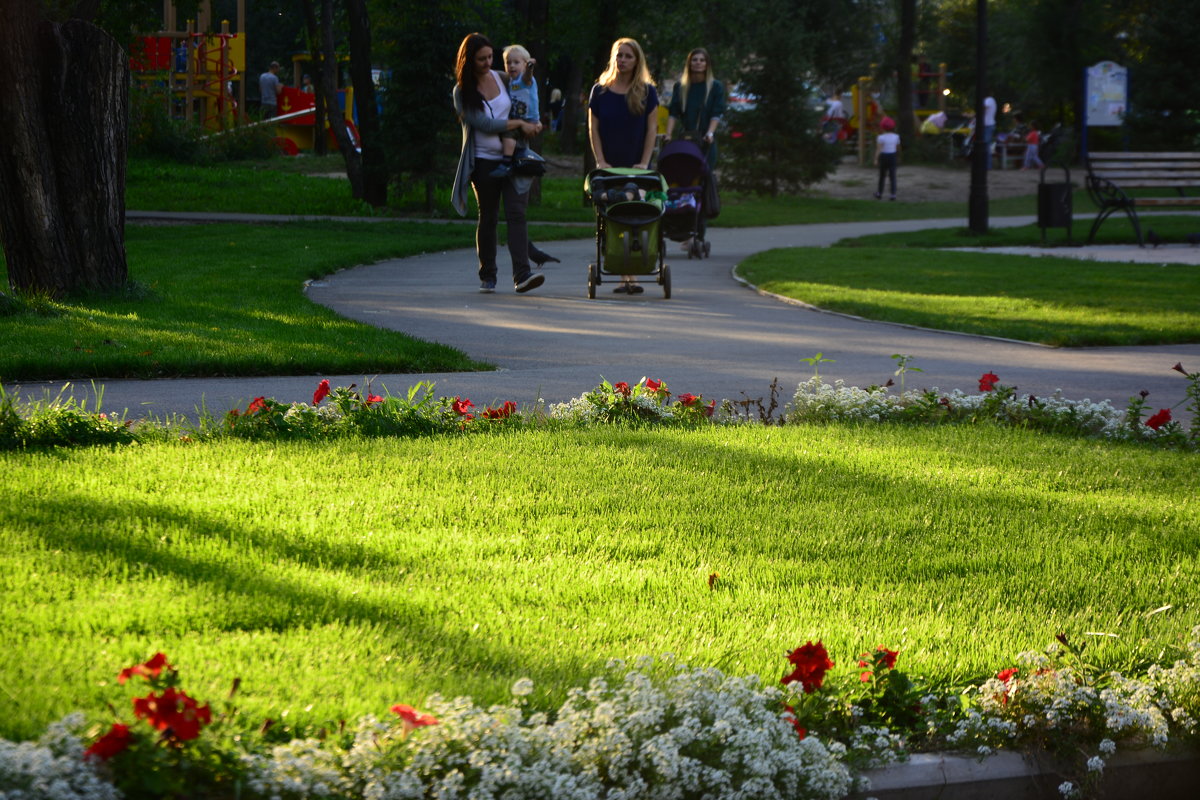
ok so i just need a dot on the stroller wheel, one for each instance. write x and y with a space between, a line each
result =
593 279
707 249
697 250
665 279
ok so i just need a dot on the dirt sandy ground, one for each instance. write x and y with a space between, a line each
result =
924 183
915 183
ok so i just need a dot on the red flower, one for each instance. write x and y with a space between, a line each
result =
622 388
111 743
988 381
321 393
811 662
888 656
687 398
502 412
151 669
1159 419
412 718
372 399
461 406
173 712
654 386
710 408
1179 367
1007 674
790 716
257 404
866 676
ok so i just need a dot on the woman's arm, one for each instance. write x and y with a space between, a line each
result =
651 134
594 137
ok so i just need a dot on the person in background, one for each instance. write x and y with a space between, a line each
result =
306 84
887 154
989 125
268 90
482 103
934 123
1033 140
556 108
696 108
622 123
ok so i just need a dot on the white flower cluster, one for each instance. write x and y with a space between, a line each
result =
816 401
635 737
303 412
53 768
584 409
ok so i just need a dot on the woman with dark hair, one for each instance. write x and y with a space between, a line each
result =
622 123
482 103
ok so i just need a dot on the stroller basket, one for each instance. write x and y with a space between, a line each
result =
629 205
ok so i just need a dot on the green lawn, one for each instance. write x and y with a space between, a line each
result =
1056 301
335 579
292 186
228 300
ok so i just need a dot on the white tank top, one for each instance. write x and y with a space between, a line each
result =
487 145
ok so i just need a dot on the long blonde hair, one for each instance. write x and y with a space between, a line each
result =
638 88
686 79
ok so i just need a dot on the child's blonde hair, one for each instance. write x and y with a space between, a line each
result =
520 52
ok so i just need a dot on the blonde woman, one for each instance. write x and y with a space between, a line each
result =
622 123
621 119
698 102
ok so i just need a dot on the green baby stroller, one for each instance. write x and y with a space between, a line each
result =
629 234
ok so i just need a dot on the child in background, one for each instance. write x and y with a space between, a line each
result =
522 89
1032 140
887 153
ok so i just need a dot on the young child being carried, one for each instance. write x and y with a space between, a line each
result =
523 91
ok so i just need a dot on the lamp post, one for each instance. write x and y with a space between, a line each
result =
977 204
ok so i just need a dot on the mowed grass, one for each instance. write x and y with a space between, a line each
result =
1055 301
337 578
301 186
229 300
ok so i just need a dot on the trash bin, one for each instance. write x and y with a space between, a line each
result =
1054 208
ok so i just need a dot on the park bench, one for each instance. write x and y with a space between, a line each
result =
1112 176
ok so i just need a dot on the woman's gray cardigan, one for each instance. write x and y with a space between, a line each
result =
472 121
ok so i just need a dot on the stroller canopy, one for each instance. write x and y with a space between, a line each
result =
683 164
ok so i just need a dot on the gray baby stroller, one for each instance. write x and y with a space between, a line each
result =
629 233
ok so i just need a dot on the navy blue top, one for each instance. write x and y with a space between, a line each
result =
622 134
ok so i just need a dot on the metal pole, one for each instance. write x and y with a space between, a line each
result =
977 205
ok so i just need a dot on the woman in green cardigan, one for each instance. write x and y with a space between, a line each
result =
698 103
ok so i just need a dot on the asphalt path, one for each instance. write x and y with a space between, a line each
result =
716 336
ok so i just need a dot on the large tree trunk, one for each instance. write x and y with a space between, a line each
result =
374 163
64 114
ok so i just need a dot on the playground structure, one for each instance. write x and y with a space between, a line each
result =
866 110
203 74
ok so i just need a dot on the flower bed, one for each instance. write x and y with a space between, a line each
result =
654 729
346 411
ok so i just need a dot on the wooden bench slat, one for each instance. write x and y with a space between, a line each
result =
1166 201
1142 156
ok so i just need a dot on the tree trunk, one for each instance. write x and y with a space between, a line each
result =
313 37
64 113
374 163
337 123
904 67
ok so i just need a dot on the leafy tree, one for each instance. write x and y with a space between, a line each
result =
779 148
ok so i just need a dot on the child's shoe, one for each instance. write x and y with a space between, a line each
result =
502 171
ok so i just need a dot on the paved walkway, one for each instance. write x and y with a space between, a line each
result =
714 337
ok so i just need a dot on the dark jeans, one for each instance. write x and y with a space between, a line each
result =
488 192
887 169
